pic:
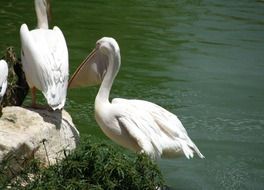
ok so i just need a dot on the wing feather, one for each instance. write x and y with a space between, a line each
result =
168 122
141 126
161 128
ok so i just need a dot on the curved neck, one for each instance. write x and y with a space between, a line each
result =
112 70
42 16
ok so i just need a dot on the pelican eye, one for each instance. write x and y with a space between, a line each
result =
98 44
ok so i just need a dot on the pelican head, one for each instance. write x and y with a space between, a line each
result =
105 58
43 11
107 46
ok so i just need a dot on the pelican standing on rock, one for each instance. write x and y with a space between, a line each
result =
138 125
44 56
3 78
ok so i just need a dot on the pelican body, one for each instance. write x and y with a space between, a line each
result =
3 78
44 57
138 125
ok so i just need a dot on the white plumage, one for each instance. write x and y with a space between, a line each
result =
135 124
3 78
45 58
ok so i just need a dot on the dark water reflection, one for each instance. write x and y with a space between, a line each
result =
202 60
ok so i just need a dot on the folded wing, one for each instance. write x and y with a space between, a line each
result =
45 63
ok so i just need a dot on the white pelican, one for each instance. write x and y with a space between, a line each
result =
44 56
135 124
3 78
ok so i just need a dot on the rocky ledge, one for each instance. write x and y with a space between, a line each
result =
27 133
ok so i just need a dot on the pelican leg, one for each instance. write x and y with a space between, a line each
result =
33 103
33 95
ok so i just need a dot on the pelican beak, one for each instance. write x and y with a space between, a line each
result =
91 71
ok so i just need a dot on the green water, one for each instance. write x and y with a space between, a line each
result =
202 60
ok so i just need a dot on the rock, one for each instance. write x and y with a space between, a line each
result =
27 133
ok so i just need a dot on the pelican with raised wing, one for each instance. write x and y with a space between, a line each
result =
135 124
3 78
44 57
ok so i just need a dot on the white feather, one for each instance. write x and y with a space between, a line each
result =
3 78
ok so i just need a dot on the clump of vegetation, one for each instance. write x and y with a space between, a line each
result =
92 165
17 88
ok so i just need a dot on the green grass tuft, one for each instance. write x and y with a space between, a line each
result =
93 165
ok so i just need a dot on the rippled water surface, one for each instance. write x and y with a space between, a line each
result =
202 60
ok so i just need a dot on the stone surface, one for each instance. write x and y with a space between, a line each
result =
27 133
